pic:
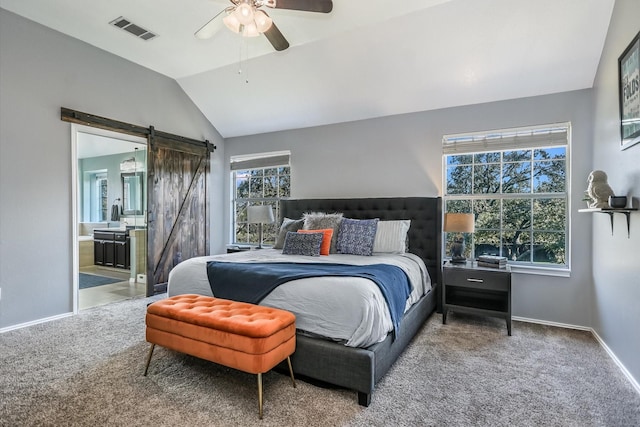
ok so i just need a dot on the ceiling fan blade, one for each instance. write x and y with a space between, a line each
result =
322 6
276 38
209 29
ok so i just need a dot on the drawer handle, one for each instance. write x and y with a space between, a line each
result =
475 280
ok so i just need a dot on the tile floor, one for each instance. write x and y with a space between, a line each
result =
106 294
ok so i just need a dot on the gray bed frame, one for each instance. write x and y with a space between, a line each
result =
359 369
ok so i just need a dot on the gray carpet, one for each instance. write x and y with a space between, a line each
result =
86 370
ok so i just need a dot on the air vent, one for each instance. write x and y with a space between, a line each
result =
132 28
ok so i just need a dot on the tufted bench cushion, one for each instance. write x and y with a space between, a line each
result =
251 338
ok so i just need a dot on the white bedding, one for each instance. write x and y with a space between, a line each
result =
349 309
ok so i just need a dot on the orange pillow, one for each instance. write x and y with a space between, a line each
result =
326 239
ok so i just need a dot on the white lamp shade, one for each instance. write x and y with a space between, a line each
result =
244 13
232 23
250 30
263 21
459 223
260 214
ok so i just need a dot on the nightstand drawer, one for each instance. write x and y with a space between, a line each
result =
466 278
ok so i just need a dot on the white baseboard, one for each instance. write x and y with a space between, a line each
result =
548 323
35 322
604 345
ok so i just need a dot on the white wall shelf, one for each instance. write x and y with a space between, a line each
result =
611 211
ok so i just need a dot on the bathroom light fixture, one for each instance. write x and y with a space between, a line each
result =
130 165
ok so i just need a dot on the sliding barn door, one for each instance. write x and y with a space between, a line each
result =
178 205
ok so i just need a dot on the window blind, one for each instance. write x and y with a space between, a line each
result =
261 160
507 139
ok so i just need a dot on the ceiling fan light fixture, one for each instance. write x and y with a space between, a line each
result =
263 21
250 30
245 17
245 13
232 23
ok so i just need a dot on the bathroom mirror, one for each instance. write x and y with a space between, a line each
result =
132 190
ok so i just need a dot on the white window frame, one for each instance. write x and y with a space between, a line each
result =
521 138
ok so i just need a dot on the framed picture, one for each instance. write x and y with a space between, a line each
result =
629 93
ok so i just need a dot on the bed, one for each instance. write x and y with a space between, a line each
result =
355 358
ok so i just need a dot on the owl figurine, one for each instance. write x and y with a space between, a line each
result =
598 189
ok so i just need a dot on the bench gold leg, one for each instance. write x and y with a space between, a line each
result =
293 380
149 359
260 395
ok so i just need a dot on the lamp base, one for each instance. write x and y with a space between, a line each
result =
259 236
457 251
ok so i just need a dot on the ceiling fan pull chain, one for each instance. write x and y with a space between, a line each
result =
240 57
244 43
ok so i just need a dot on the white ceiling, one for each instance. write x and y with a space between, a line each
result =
367 58
95 145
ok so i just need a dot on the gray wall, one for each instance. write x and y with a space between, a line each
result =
402 156
616 270
42 70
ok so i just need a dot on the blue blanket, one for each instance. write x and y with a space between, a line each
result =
251 282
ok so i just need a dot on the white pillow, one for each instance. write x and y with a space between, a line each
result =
391 236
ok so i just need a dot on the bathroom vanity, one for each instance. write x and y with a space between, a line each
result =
111 248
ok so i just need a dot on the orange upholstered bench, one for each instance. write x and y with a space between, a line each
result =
247 337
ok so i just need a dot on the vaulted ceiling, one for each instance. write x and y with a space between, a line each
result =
365 59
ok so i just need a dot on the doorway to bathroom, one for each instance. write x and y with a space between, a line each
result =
176 207
109 210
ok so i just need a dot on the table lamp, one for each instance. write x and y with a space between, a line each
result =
260 215
458 223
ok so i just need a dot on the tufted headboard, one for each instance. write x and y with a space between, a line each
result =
425 213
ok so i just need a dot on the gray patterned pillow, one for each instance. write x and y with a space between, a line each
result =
357 236
321 221
302 244
288 224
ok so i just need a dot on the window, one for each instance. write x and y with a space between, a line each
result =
261 179
98 196
515 182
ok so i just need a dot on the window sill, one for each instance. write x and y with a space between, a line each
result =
542 271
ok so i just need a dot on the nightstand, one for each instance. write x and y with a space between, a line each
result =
476 290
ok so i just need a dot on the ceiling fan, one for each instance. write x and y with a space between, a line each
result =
247 18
